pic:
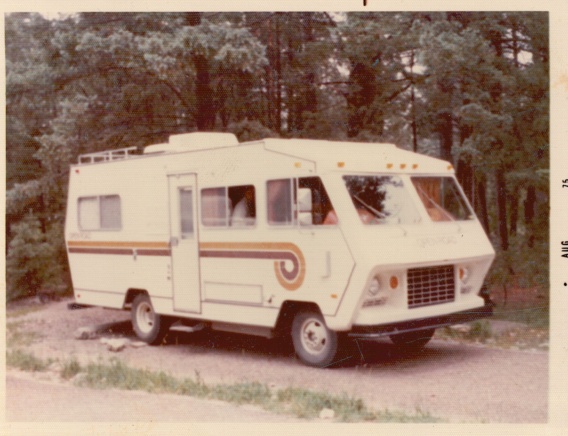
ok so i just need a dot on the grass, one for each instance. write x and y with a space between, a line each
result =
300 402
17 337
25 361
515 337
533 317
70 369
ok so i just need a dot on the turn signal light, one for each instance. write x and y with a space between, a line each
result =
393 282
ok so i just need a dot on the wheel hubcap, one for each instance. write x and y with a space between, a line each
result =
145 317
314 336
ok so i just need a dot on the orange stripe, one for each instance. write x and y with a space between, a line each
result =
248 246
273 246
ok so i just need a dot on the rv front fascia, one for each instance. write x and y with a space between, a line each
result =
390 250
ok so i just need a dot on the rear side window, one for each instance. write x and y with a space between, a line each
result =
280 201
101 212
233 206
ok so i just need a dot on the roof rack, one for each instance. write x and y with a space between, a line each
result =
109 155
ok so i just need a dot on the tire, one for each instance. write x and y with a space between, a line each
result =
412 341
148 325
314 343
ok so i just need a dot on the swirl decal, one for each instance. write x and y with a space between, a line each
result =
283 253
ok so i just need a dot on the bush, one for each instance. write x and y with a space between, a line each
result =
33 259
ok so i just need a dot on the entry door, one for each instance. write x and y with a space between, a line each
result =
184 242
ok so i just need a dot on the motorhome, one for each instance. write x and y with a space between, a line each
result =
326 242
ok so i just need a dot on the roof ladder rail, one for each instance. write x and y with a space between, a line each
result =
108 155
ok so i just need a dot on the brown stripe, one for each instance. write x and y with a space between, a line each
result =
119 251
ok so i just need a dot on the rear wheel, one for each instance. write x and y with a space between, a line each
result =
413 341
314 343
148 325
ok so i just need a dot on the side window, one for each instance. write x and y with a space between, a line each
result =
282 197
100 213
243 212
186 212
234 206
322 209
280 200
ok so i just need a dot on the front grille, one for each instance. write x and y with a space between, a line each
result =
429 286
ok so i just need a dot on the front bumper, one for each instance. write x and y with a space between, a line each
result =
382 330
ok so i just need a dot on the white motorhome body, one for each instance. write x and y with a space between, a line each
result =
323 239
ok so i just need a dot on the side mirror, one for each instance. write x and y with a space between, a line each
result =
306 219
305 200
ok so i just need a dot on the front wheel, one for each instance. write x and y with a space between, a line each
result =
412 341
314 343
148 325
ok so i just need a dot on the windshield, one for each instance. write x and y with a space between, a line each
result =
381 200
442 198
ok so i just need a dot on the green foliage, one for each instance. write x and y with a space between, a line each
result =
70 369
251 131
472 87
299 402
25 361
32 260
17 335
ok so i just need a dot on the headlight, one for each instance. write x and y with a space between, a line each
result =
463 275
374 287
376 293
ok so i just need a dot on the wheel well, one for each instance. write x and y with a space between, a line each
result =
131 295
287 312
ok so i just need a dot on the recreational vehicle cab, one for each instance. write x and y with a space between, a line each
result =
324 241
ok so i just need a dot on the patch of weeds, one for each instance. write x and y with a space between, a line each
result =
299 402
533 317
16 336
308 404
118 375
70 369
480 330
243 393
25 361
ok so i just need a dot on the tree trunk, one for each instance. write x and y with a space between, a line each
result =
205 105
465 175
514 215
445 131
278 111
482 205
529 205
413 122
502 207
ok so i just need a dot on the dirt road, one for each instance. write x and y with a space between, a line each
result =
449 380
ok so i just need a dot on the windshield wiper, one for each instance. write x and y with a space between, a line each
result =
375 212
